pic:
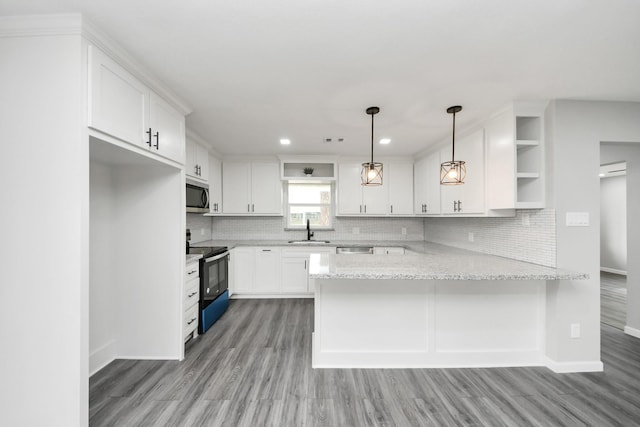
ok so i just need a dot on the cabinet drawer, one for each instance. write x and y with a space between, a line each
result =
191 296
192 271
190 320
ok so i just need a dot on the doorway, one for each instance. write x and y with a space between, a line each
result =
613 244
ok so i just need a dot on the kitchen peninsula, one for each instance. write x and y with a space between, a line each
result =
435 307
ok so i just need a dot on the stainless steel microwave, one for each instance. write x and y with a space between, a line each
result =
197 198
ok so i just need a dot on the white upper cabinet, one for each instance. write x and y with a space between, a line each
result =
400 179
515 158
123 107
467 198
251 188
118 102
167 126
215 185
197 164
393 197
427 185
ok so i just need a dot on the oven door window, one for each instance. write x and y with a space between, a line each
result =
216 279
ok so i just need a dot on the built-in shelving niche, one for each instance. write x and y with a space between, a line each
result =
530 162
294 170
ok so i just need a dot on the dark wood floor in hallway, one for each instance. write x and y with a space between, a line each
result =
253 368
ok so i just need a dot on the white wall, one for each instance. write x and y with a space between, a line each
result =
613 224
102 292
578 127
44 229
630 153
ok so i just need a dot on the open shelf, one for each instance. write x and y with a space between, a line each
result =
321 171
528 175
527 142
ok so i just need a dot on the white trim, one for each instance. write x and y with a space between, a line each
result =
632 331
101 357
613 270
568 367
270 296
41 25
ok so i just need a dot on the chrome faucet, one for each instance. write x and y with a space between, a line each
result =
309 232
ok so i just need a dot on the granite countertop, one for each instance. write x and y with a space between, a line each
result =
410 245
435 262
423 260
192 258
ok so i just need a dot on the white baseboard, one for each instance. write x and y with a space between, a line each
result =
269 296
613 270
568 367
102 356
632 331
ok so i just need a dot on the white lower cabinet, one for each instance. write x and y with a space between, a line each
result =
383 250
265 271
191 295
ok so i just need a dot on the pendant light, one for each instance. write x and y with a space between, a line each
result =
372 171
453 172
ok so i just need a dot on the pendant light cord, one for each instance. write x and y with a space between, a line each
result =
372 137
453 144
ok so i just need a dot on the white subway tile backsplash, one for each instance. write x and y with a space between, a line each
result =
273 228
508 237
196 223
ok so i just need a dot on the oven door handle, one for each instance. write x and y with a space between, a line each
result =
217 257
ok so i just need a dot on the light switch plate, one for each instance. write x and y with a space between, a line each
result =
577 219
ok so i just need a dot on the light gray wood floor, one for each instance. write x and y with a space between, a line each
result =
253 368
613 299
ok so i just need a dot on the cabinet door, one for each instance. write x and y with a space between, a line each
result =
168 129
400 181
215 185
203 162
295 277
451 194
236 188
349 189
501 161
242 266
375 199
266 188
420 187
191 163
267 271
432 184
118 102
472 151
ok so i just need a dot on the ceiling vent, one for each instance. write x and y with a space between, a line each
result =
332 139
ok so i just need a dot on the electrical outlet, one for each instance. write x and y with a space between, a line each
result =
575 330
404 231
355 230
471 236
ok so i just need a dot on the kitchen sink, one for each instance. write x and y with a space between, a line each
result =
309 242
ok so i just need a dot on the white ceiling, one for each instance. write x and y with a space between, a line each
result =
257 71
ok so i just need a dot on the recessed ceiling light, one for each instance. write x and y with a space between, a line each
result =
385 141
285 141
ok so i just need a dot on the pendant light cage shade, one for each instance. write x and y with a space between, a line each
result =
372 173
453 173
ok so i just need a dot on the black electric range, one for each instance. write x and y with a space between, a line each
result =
214 284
